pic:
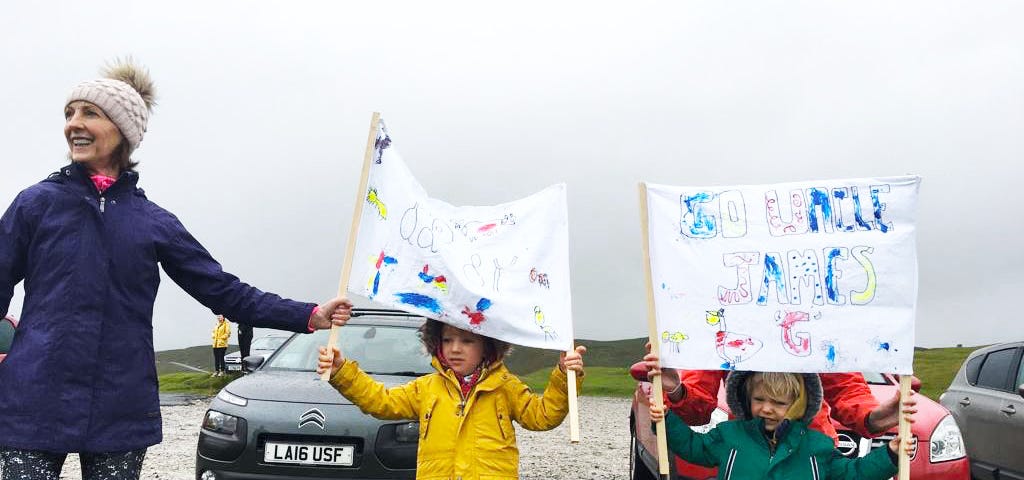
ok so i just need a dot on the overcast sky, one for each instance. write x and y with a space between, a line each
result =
264 107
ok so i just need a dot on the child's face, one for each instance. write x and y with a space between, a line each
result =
464 350
772 410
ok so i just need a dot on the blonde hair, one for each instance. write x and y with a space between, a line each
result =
777 385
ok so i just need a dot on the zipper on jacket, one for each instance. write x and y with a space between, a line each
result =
103 204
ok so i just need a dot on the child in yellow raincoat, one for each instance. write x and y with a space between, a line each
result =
466 408
221 333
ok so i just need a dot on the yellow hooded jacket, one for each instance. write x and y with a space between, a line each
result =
461 439
221 333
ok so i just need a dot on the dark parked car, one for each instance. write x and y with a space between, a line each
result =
263 346
987 399
7 326
282 422
937 433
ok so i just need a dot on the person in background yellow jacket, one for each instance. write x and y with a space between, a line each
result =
466 408
221 333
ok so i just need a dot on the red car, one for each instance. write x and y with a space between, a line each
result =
7 326
936 430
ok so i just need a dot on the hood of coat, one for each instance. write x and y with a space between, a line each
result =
739 402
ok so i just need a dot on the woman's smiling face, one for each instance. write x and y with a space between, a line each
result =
90 134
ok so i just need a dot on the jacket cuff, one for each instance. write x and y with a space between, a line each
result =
345 374
309 323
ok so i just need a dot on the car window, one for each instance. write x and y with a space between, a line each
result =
267 343
995 371
1020 376
6 335
874 378
378 349
973 369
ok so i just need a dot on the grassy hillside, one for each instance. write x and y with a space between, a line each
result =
936 368
607 363
200 357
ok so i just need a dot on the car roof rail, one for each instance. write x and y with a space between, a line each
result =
382 312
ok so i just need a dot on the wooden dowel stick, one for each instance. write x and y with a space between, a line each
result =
353 233
652 329
904 430
574 409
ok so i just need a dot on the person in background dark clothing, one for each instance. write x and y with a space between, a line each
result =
244 340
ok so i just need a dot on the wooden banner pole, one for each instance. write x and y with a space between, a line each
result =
652 328
353 233
904 430
574 409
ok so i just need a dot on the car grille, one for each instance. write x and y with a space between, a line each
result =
851 445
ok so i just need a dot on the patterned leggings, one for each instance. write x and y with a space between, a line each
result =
38 465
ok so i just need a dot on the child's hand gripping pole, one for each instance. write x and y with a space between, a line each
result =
353 233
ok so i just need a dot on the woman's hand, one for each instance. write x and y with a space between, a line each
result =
330 362
336 311
573 360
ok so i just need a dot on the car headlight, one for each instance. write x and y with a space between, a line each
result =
946 441
232 398
717 416
215 421
407 432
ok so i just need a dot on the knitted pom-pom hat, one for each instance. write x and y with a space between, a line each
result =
125 94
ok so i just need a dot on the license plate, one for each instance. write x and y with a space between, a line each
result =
234 367
341 455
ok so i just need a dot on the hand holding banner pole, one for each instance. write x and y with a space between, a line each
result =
353 233
652 326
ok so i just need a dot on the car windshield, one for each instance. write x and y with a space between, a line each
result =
267 343
874 378
378 349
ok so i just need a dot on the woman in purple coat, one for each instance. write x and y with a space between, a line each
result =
81 375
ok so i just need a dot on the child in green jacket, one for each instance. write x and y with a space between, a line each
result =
769 438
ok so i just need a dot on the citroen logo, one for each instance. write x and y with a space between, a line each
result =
847 445
313 416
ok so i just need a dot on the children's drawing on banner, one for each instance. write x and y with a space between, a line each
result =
829 268
477 317
794 341
538 318
464 265
381 262
674 338
381 143
731 346
437 281
374 199
539 278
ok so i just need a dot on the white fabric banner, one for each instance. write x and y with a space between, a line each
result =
500 271
796 277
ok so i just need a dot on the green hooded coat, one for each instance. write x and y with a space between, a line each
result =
741 451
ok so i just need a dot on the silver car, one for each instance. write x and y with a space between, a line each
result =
283 422
987 399
263 346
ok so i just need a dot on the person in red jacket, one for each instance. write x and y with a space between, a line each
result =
693 395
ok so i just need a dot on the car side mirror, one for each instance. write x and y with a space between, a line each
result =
1020 390
252 362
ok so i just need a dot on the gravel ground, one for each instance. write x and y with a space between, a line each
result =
602 454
